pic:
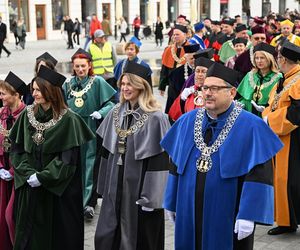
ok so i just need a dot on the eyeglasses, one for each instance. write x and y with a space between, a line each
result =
259 38
214 89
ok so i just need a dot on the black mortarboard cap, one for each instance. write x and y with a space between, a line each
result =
82 51
290 51
192 48
181 28
16 83
220 71
216 22
137 69
239 40
240 27
204 62
51 76
280 18
264 47
47 56
207 53
229 21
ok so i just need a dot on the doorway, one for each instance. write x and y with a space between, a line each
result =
106 10
40 22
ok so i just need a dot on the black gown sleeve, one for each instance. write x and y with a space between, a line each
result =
293 112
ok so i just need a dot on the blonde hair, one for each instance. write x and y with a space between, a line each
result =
146 99
271 60
7 87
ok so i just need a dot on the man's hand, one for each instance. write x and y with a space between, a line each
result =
243 228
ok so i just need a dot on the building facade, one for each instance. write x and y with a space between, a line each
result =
43 18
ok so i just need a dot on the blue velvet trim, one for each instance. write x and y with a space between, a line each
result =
257 203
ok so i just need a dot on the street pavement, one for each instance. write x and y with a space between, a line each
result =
22 63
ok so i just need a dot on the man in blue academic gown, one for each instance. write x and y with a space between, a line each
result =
221 184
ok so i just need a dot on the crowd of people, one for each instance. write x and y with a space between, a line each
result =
221 159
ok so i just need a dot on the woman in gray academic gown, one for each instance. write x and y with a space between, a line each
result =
133 168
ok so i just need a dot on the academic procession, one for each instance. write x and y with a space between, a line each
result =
204 143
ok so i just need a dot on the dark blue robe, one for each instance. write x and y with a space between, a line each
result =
222 202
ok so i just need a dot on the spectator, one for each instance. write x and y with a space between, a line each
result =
77 31
123 29
94 25
136 26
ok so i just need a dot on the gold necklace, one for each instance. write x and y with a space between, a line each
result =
287 87
6 142
174 55
40 127
123 133
79 102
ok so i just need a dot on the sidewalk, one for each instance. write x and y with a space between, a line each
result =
22 63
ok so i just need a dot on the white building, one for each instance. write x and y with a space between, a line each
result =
43 17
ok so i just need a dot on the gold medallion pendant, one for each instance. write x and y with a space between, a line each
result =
199 100
78 102
6 144
257 96
38 137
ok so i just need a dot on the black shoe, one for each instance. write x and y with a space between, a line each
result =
8 54
281 230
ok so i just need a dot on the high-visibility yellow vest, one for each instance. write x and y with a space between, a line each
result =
102 58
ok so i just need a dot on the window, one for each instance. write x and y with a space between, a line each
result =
204 9
60 8
18 10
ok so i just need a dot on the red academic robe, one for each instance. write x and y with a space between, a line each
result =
7 194
177 109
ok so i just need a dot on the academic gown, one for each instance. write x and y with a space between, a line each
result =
254 83
98 99
7 192
285 122
50 216
189 82
243 63
169 64
140 178
176 81
205 215
180 106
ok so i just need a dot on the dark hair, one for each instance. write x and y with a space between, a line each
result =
48 63
51 94
83 56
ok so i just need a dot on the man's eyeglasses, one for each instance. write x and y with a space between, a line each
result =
214 89
257 38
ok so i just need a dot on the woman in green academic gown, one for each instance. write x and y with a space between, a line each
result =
45 153
89 96
256 86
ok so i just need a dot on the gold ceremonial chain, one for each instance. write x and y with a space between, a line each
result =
79 102
258 94
122 133
38 136
287 87
6 142
174 55
204 163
